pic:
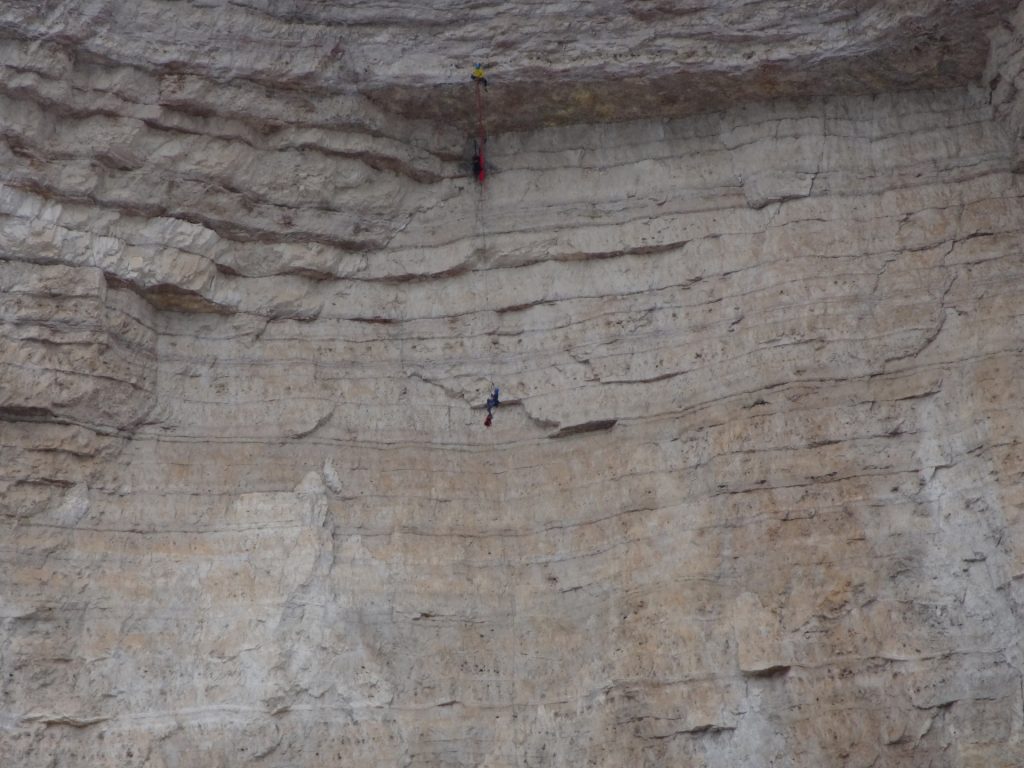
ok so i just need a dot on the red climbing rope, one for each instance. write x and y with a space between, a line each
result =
480 131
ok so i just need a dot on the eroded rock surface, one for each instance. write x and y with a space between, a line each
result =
754 494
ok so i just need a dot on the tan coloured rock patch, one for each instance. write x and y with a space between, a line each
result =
249 513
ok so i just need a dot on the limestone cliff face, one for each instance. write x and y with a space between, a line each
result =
754 495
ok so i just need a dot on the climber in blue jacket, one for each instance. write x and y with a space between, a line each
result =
492 403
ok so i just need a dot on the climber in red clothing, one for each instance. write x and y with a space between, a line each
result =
478 162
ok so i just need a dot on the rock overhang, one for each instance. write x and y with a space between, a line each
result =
677 60
551 63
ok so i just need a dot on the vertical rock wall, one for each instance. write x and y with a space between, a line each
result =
753 497
1004 77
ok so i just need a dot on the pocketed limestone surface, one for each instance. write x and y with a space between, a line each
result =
754 493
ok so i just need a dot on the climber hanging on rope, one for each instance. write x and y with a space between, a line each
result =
492 403
479 164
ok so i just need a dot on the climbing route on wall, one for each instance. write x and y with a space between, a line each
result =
480 172
479 163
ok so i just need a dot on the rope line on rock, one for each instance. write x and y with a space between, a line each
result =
481 134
